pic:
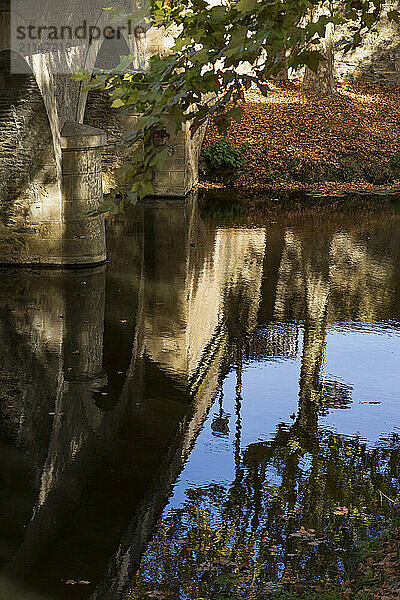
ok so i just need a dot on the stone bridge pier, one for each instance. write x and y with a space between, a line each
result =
58 150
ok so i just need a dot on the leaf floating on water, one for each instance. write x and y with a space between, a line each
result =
370 403
305 534
315 543
271 586
206 566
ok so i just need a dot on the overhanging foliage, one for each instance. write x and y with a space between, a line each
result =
219 52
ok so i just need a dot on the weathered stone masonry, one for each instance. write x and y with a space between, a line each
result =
377 58
51 141
83 239
51 167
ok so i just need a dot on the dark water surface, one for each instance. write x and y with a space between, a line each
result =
217 407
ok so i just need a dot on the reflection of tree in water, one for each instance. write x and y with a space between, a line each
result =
299 502
295 507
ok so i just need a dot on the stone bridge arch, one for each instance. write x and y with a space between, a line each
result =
51 168
180 172
104 54
96 109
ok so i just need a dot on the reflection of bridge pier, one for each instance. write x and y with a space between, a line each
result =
193 273
62 322
103 461
190 271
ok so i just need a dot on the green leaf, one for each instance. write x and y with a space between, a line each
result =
311 59
159 159
132 197
394 15
117 103
81 76
146 189
369 20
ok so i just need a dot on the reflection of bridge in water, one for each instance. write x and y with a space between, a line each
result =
108 375
105 388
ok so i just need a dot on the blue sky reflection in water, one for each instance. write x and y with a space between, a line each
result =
198 401
302 442
366 359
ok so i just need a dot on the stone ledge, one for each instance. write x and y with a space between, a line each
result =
75 136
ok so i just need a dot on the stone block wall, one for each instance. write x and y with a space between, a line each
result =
180 171
377 59
42 218
99 113
27 162
29 191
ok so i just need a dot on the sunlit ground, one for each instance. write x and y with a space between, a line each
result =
301 140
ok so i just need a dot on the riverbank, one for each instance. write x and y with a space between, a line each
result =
299 141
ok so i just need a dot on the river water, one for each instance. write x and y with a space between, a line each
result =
215 413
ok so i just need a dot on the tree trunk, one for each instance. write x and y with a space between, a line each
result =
323 82
283 74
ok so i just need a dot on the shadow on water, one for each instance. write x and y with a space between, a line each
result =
115 379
